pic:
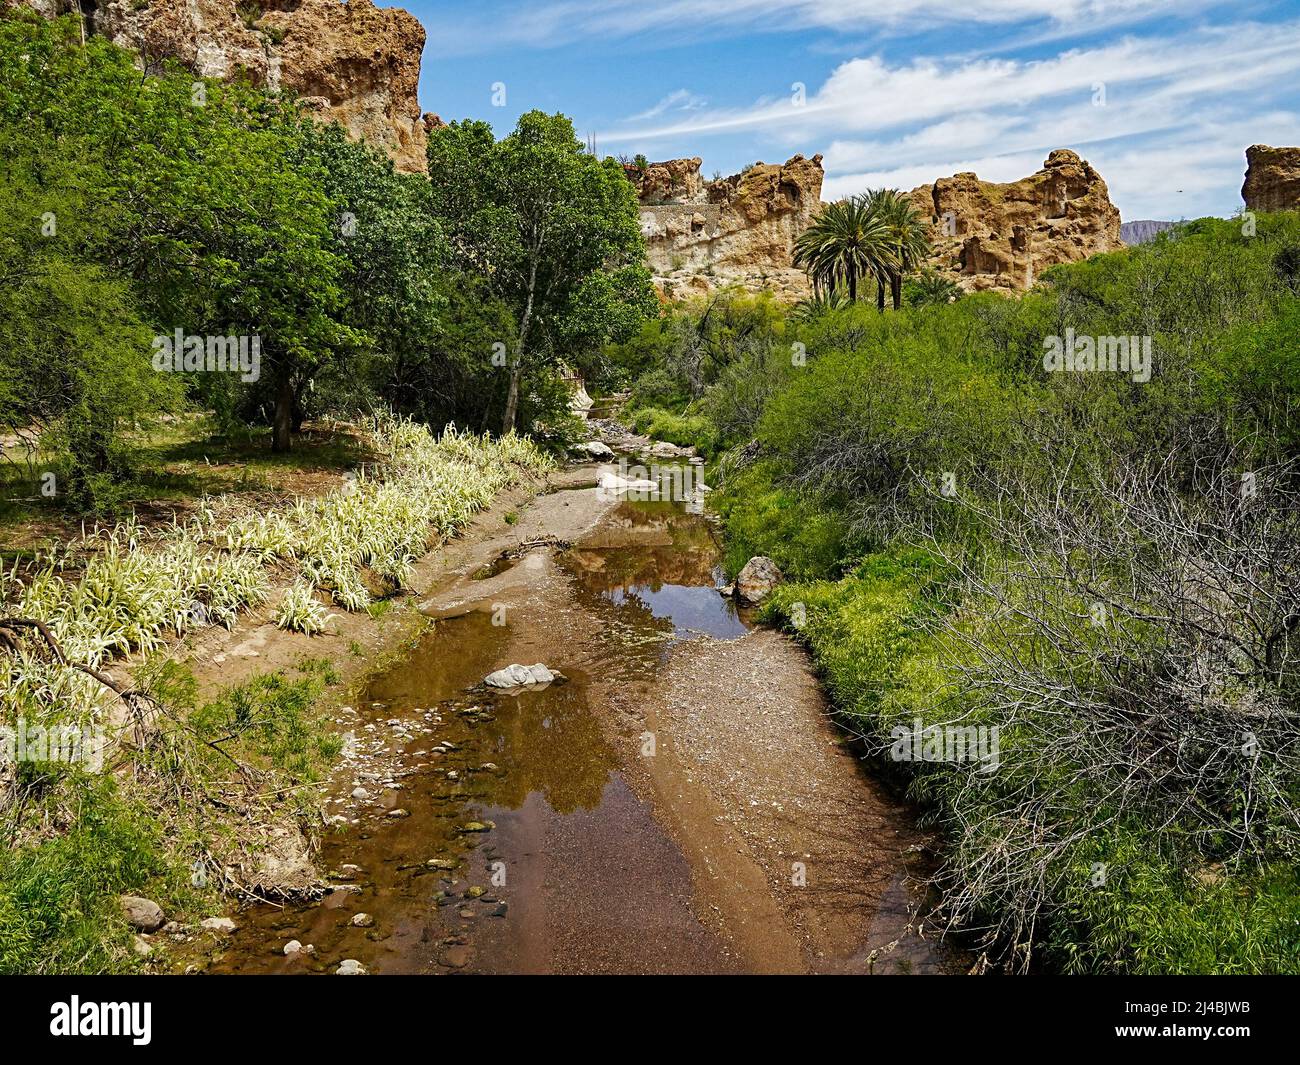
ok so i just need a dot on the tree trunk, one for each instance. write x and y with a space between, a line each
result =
853 285
516 368
880 295
299 409
282 424
896 290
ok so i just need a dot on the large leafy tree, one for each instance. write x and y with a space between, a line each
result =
74 345
552 231
393 280
195 193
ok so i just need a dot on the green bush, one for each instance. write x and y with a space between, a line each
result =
806 541
59 911
683 430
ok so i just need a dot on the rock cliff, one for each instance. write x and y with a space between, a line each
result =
1142 231
1272 178
352 62
737 230
1002 236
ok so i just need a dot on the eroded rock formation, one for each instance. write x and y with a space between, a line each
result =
1272 178
737 230
352 62
1003 236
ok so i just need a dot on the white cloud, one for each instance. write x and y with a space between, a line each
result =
1187 174
681 100
566 21
868 94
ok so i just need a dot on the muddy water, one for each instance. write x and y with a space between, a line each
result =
484 831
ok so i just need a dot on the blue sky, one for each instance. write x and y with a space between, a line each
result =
1161 97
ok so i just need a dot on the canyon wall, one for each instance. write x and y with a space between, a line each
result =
737 230
988 235
1272 178
351 62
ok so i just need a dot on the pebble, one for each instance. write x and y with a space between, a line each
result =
456 957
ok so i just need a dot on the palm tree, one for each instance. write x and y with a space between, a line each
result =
908 239
932 287
846 242
808 310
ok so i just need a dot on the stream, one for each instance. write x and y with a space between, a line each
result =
540 831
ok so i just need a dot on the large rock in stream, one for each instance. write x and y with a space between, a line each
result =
757 579
517 676
593 449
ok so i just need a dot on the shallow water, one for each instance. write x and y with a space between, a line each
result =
525 849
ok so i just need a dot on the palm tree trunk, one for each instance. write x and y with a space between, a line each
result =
853 285
880 295
896 289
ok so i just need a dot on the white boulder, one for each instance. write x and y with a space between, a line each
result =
517 676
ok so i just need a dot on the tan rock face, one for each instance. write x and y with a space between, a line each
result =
354 63
1003 236
1272 178
737 230
673 181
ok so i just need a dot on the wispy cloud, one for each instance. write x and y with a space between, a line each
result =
1187 174
560 22
681 100
869 94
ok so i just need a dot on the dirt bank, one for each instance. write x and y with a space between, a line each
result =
359 641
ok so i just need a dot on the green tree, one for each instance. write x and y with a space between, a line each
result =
908 237
931 287
199 196
393 279
847 242
553 231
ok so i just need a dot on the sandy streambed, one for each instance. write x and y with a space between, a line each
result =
680 804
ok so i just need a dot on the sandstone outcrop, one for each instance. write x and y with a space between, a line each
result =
1002 236
673 181
737 230
352 62
1272 178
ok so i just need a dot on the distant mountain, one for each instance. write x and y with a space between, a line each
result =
1142 231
